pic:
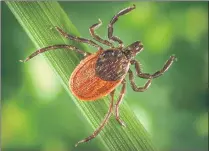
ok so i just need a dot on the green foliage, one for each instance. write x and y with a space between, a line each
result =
37 18
38 114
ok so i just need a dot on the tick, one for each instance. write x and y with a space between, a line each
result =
100 73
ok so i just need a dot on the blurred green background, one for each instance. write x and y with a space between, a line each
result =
174 110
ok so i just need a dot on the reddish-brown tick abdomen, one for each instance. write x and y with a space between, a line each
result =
84 83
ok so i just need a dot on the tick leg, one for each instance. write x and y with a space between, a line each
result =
114 19
96 37
133 85
122 92
166 66
55 47
103 123
78 39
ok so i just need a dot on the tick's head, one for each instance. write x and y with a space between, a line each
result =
133 49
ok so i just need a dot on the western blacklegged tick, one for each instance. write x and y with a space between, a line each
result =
100 73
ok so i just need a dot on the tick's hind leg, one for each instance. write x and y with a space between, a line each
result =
166 66
120 99
114 19
55 47
106 119
78 39
133 85
96 37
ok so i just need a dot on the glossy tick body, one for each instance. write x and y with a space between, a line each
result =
99 74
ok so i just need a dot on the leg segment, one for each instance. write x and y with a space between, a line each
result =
96 37
156 74
106 119
78 39
122 92
133 85
55 47
114 19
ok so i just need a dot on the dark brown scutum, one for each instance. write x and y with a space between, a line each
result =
112 65
86 85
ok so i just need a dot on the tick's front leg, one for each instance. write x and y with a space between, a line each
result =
112 22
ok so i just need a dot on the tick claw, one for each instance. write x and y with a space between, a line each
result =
134 6
51 28
78 143
174 57
22 61
121 122
54 27
100 21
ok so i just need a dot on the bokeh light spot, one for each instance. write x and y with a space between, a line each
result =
158 37
202 125
196 23
44 80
